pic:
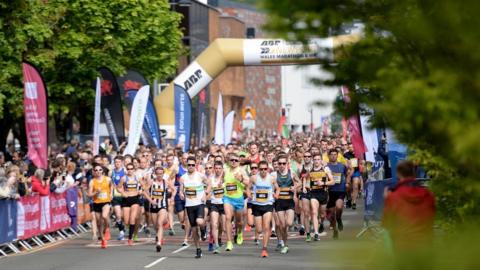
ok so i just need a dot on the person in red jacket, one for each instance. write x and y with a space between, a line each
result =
409 212
39 185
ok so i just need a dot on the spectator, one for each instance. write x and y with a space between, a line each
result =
7 188
40 183
2 159
409 212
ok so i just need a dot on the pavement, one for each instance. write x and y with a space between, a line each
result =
82 253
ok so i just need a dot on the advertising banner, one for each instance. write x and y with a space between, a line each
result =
96 118
59 217
8 221
137 117
228 125
111 104
183 118
28 216
219 128
203 118
36 115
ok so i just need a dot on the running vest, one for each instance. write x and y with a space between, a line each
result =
217 192
131 185
285 182
158 193
262 193
233 187
338 172
103 189
116 177
193 188
316 175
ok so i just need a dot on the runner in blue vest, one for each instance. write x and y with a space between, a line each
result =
336 193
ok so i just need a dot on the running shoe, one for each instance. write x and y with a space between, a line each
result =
146 231
184 244
159 248
340 224
354 206
121 236
135 238
322 228
256 242
309 238
104 244
301 231
316 237
264 253
273 234
171 232
240 238
130 242
141 228
248 228
216 250
210 247
284 250
229 246
203 234
279 247
199 254
107 234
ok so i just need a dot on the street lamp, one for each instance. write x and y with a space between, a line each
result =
311 119
288 106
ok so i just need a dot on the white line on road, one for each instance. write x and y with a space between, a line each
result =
180 249
155 262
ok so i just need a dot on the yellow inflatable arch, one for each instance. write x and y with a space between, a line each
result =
225 52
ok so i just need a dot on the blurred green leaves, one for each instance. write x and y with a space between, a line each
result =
69 39
418 66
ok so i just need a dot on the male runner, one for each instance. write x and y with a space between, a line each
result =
235 180
261 188
171 171
304 198
319 179
179 201
117 173
192 186
285 205
336 193
217 213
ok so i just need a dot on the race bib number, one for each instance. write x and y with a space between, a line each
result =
337 177
191 192
285 193
261 195
157 194
354 162
102 195
231 189
218 193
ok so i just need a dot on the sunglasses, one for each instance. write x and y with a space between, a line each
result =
263 169
129 169
191 165
234 160
98 170
254 168
282 163
209 168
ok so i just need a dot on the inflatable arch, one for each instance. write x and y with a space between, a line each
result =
225 52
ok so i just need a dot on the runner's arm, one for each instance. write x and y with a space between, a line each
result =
330 180
276 187
120 187
90 192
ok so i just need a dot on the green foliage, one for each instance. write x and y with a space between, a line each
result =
69 39
417 66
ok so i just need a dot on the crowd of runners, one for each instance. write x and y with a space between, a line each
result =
270 185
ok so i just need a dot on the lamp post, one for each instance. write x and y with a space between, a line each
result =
288 106
311 119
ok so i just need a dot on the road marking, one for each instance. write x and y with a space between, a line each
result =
180 249
155 262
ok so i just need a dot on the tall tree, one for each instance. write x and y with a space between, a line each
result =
417 66
69 39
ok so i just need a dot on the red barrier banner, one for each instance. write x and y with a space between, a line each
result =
59 217
28 217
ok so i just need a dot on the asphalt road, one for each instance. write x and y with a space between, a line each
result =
82 253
